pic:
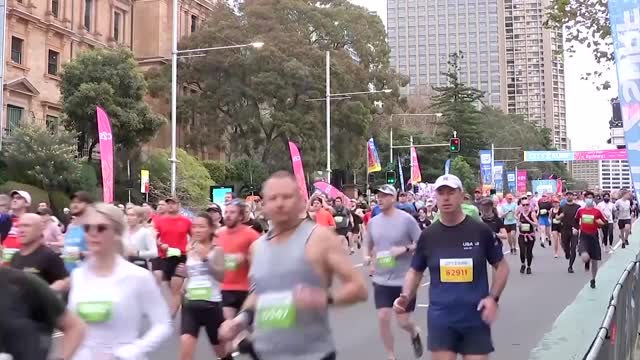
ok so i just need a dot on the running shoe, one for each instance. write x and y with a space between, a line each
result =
416 342
592 284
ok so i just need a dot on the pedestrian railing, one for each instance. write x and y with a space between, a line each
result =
616 338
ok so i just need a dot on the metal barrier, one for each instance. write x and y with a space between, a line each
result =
616 338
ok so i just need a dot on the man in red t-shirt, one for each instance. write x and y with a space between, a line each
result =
590 219
157 264
20 201
173 235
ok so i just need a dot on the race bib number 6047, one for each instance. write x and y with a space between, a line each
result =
456 270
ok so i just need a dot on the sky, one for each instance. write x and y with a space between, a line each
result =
588 110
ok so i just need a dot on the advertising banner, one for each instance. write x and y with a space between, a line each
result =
544 186
591 155
416 175
521 181
144 181
625 28
485 166
447 166
511 181
373 160
498 176
400 174
298 170
105 137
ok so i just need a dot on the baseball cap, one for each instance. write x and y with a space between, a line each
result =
171 199
23 194
387 189
449 180
214 208
529 193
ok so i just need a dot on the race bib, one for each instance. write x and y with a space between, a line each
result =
171 252
7 254
231 262
94 312
556 221
71 254
543 212
588 219
525 227
276 311
456 270
338 219
386 260
199 288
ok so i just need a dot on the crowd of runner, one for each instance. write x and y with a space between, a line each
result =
258 275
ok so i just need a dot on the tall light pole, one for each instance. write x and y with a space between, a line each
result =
391 130
174 85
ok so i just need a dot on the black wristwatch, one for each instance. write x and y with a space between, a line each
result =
495 298
407 248
330 300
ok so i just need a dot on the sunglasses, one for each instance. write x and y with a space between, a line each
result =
100 228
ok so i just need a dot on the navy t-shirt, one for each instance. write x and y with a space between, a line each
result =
457 259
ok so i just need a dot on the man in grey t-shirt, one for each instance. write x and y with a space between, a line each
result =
623 213
390 241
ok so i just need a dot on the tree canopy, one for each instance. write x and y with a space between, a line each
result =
110 79
465 173
255 100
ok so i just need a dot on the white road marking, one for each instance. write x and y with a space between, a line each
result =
57 334
425 284
617 245
422 305
358 265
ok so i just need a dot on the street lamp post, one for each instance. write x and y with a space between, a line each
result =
391 130
174 85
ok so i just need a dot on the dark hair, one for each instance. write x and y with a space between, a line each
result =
206 216
84 197
44 211
588 193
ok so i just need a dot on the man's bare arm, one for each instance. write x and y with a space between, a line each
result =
353 288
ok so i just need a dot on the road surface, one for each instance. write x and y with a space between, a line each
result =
528 308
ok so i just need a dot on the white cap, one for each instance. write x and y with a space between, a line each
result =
529 193
449 180
23 194
387 189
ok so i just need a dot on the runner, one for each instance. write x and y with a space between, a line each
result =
489 215
202 305
113 296
20 201
318 213
140 241
357 214
607 208
36 258
51 234
291 298
157 264
568 229
590 220
173 232
527 221
342 217
235 239
510 221
544 224
423 220
390 240
555 225
461 305
623 212
75 246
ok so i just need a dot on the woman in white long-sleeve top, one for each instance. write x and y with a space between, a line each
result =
139 240
113 295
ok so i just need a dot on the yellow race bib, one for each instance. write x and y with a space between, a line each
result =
456 270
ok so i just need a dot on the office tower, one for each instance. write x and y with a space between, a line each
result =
535 68
423 33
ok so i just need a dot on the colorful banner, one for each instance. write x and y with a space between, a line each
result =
625 29
331 191
559 186
498 176
416 175
485 166
592 155
521 181
447 166
511 181
400 173
105 137
298 170
544 186
144 181
373 160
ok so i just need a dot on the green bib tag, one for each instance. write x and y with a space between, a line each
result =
543 212
588 219
199 293
386 260
231 262
71 254
276 311
7 254
94 312
525 227
171 252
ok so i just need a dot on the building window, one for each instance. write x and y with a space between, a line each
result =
194 23
14 117
117 21
88 6
16 49
52 123
55 8
52 62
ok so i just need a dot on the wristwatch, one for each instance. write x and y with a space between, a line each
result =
407 248
495 298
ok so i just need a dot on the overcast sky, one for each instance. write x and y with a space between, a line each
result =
588 110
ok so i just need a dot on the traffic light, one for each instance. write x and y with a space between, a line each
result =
391 177
371 178
454 145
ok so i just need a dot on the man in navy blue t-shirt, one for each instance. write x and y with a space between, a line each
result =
456 250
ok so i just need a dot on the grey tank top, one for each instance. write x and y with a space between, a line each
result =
283 332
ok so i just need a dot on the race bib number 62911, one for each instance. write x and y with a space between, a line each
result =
456 270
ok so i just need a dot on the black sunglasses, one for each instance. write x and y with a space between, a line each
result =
100 228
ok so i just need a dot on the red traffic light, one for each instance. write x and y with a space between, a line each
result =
454 145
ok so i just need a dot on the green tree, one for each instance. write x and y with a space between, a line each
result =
459 105
44 159
461 169
254 101
218 170
110 79
193 180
